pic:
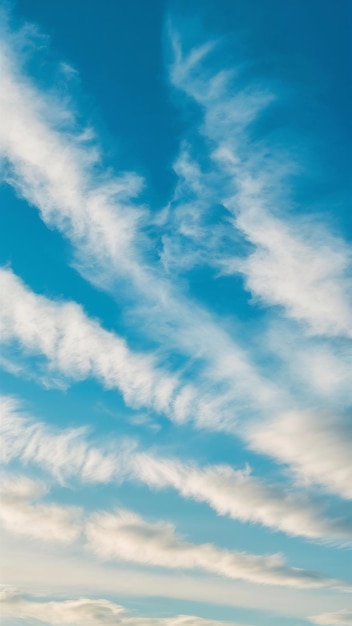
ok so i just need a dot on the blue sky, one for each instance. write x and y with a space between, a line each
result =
176 315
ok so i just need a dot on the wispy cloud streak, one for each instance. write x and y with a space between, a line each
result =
231 215
87 612
77 347
294 264
338 618
61 176
126 536
317 447
236 493
21 515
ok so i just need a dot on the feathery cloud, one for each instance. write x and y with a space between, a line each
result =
51 162
44 522
125 536
87 612
128 537
290 264
243 496
236 493
294 264
77 347
62 176
65 453
317 448
338 618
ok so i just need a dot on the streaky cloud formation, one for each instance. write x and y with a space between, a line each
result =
221 300
319 368
77 347
126 536
65 453
55 173
248 498
54 167
43 522
236 493
317 447
87 612
338 618
295 264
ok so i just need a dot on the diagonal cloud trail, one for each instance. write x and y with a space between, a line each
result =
236 493
60 174
22 515
124 536
77 347
337 618
296 265
87 612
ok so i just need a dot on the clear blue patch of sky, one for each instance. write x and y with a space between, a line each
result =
42 258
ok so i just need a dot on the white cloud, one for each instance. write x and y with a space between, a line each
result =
19 487
233 492
243 496
54 168
317 447
194 233
71 574
44 522
92 211
296 265
88 612
338 618
125 536
51 167
77 347
319 369
65 453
